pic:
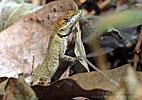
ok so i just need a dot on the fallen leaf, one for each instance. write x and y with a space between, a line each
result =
12 10
65 89
91 85
130 89
18 89
29 38
3 83
117 20
109 41
79 47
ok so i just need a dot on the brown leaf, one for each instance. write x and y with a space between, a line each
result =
18 89
130 88
91 85
94 80
12 10
3 83
29 37
65 89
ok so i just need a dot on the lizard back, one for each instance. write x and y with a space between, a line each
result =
57 45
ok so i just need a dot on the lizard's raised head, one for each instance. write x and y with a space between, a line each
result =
66 22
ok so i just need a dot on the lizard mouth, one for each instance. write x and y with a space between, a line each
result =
75 19
71 25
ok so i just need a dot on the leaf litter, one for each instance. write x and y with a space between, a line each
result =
29 38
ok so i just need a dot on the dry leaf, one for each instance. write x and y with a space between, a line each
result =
109 40
94 80
130 88
91 85
12 10
65 89
3 83
79 49
18 89
29 37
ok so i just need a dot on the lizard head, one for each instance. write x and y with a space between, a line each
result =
66 22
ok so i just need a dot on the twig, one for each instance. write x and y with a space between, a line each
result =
94 67
33 61
102 5
137 50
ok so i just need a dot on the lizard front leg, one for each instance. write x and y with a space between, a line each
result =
69 58
63 50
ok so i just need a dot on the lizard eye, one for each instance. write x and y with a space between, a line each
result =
61 30
63 33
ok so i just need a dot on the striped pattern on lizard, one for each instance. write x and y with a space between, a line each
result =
57 47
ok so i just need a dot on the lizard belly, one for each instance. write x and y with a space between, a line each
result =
53 62
58 47
50 64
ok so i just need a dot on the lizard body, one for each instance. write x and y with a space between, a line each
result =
57 47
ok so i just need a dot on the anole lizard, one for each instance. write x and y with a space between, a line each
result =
57 47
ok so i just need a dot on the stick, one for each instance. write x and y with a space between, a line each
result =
137 50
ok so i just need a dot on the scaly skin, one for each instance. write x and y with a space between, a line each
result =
57 47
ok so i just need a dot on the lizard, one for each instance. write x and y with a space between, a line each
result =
57 47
